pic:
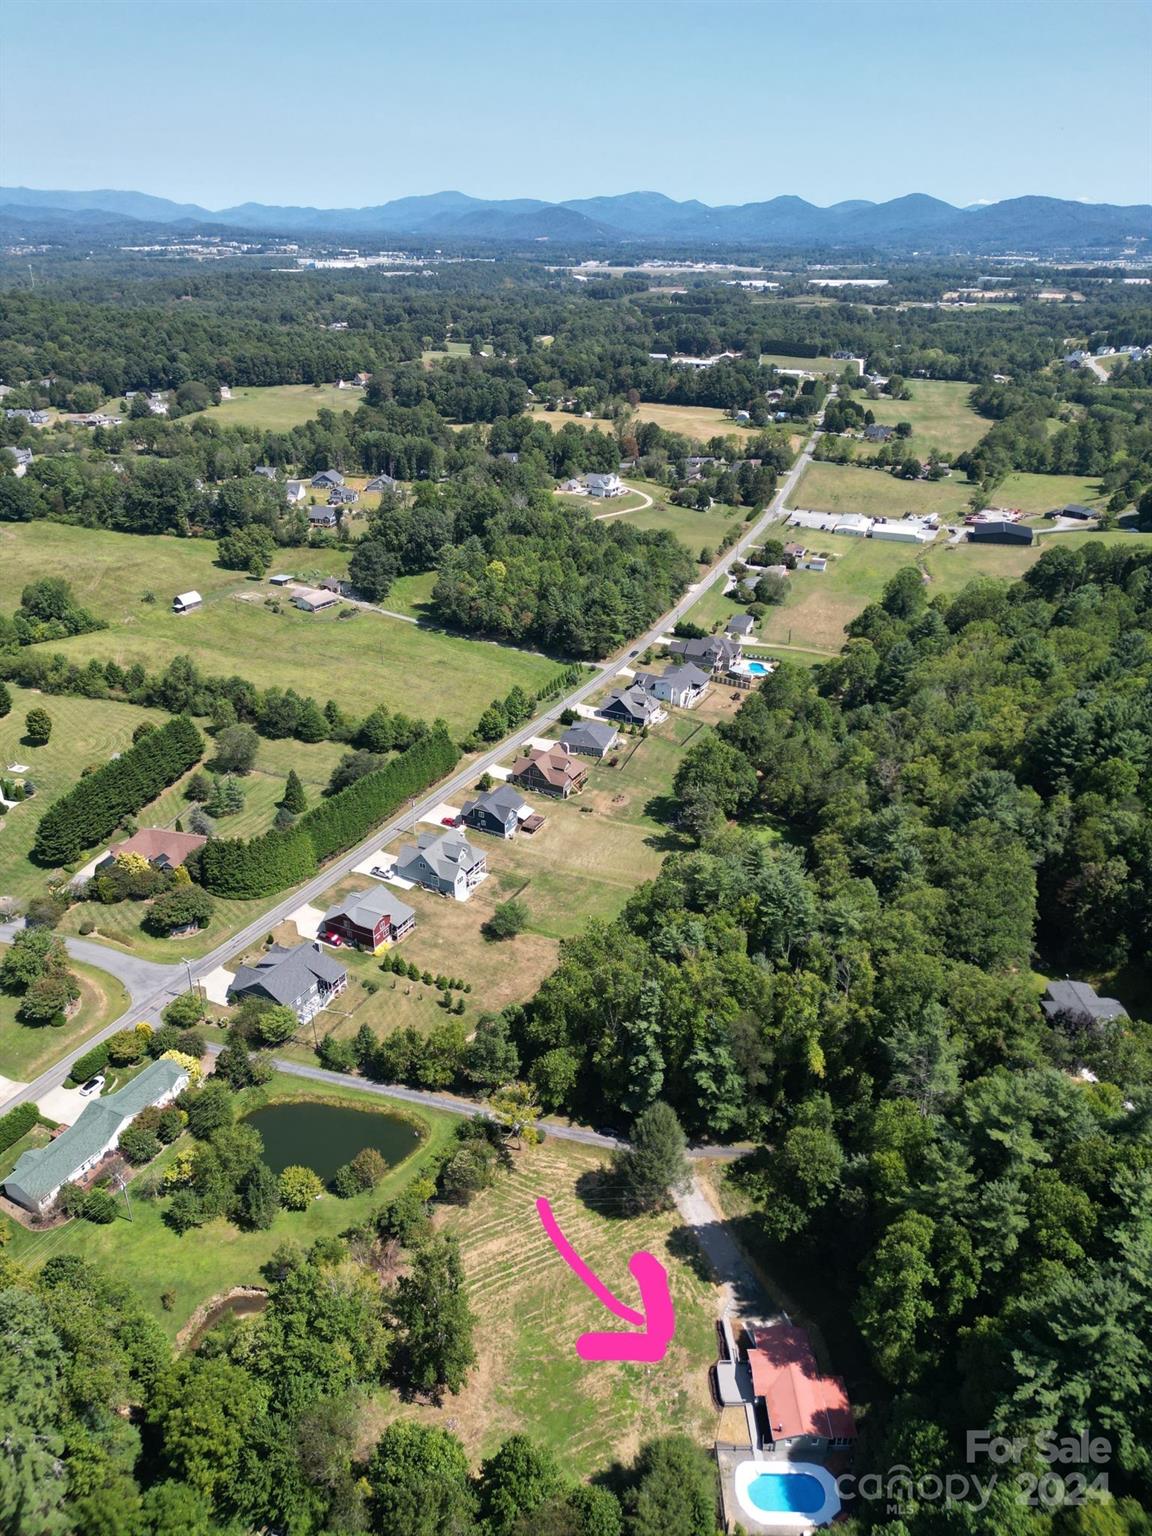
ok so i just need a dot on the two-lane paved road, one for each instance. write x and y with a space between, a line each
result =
148 1005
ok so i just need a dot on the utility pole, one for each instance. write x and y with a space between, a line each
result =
192 985
124 1192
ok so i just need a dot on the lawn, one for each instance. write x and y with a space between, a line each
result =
360 661
699 422
694 529
205 1262
835 365
531 1308
110 573
559 419
818 606
279 407
85 732
411 595
1035 494
876 493
941 418
25 1051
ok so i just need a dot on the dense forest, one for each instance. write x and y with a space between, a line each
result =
963 793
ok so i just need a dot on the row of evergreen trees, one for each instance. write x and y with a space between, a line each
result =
102 799
259 866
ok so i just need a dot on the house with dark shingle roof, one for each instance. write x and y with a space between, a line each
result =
382 483
716 653
498 812
41 1172
371 919
445 862
325 479
590 738
740 625
302 978
632 706
1075 1004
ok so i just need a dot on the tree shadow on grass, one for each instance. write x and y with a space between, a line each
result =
601 1190
682 1245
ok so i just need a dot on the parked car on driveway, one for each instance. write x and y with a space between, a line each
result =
92 1087
336 940
449 821
379 871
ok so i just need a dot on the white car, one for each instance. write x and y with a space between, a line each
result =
379 871
92 1087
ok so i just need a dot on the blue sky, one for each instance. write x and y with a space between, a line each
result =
347 103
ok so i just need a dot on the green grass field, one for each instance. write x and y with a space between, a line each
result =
876 493
84 732
277 407
835 365
1035 494
205 1262
695 530
110 573
942 420
531 1308
25 1051
360 662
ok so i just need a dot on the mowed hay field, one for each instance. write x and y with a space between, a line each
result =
360 662
942 420
531 1309
277 407
110 573
26 1050
695 530
876 493
1037 494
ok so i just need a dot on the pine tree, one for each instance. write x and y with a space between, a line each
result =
38 727
294 798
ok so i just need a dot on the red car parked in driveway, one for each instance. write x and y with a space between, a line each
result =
449 821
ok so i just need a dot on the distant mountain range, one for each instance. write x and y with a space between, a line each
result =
1037 224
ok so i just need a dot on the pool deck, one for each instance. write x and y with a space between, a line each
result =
736 1517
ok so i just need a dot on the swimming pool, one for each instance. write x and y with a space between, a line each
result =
794 1494
756 669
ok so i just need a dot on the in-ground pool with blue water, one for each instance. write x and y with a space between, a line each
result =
757 669
795 1493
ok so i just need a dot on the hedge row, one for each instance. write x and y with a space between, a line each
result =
100 802
16 1123
89 1064
259 866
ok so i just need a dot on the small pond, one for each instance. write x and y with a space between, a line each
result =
326 1136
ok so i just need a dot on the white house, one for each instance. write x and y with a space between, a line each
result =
185 602
683 686
313 600
604 485
295 491
41 1172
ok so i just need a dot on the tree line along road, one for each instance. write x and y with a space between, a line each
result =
148 1008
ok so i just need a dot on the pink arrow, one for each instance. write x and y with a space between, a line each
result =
657 1320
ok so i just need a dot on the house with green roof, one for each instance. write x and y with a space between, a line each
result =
41 1172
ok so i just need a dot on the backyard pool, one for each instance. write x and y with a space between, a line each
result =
326 1136
756 669
795 1494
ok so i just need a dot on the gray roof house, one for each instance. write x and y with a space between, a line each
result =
371 919
497 811
1075 1003
302 978
294 491
326 478
740 625
715 652
265 471
682 686
590 738
632 706
40 1172
382 483
876 432
445 862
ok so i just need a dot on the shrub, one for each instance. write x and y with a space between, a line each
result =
507 920
185 1010
182 907
99 1206
70 1199
16 1123
299 1186
369 1167
139 1145
344 1182
89 1064
37 727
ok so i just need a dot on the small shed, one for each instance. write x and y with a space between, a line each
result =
187 602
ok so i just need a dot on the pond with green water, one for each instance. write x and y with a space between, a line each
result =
326 1136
